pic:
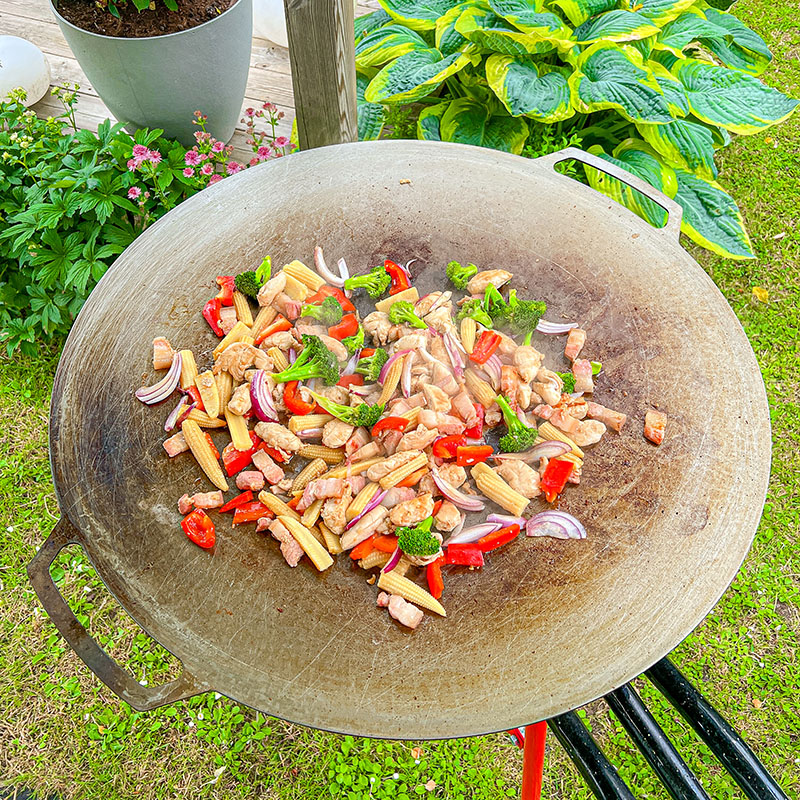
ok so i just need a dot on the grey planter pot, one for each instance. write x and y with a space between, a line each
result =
159 81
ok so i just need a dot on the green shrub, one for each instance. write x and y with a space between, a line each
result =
655 86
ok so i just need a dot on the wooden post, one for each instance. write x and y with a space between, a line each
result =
322 57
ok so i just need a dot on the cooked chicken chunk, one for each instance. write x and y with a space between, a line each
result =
495 277
527 360
290 549
614 419
436 399
237 357
377 326
370 523
419 439
162 353
582 370
336 433
276 435
333 511
283 340
271 289
655 423
520 477
404 612
381 470
447 517
575 342
548 385
590 431
320 489
412 511
240 402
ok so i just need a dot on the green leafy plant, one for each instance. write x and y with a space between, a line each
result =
140 5
655 86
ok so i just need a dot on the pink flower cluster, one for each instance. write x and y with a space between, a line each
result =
143 155
265 144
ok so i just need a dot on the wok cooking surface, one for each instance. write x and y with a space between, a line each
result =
546 625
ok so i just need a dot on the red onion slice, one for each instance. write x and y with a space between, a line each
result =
557 524
555 328
552 448
322 269
393 561
473 533
506 520
351 365
374 503
387 366
261 398
362 391
178 411
440 300
150 395
456 497
454 355
185 413
309 433
405 378
493 368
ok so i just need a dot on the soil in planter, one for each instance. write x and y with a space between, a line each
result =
133 24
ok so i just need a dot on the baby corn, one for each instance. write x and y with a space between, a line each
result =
188 369
236 333
243 312
278 359
360 501
491 485
328 454
408 590
204 421
277 506
480 390
307 422
209 393
202 452
225 388
392 379
401 473
300 272
237 427
331 539
309 472
264 317
548 431
320 557
311 514
469 329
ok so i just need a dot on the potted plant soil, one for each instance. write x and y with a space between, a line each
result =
155 62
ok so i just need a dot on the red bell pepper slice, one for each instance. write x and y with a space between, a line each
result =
464 555
434 575
350 380
236 460
399 278
447 446
226 288
386 544
436 506
484 348
414 478
389 424
474 454
363 548
476 431
497 539
294 402
330 291
279 324
250 512
211 314
366 352
198 526
554 477
211 444
241 499
347 327
194 393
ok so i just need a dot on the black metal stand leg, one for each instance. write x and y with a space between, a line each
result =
596 769
724 742
654 745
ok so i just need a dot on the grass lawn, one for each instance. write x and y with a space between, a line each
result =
62 731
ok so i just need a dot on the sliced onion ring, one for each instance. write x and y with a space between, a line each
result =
322 269
387 366
456 497
176 413
555 328
506 520
493 368
309 433
261 398
393 561
473 533
150 395
454 355
374 503
557 524
552 448
351 365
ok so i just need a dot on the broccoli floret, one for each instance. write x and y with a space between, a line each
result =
418 540
363 415
314 361
522 316
247 283
494 305
403 311
329 312
519 437
459 276
474 309
569 381
371 366
376 282
355 342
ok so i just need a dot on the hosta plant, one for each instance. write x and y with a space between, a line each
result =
656 86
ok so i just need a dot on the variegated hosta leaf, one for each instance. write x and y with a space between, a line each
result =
419 15
683 143
615 26
711 217
639 159
660 11
469 122
527 89
644 46
738 46
614 76
688 27
413 76
731 99
578 11
492 33
368 22
429 122
448 39
528 16
673 90
386 44
371 116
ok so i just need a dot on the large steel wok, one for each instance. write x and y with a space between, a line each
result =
547 625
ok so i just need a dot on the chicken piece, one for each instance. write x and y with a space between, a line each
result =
238 357
544 411
208 499
582 370
276 435
185 504
358 438
390 440
283 340
590 431
507 346
525 396
575 343
162 353
269 469
426 303
655 422
333 511
356 483
613 419
383 600
251 480
410 512
397 495
285 305
320 489
436 399
338 394
447 517
574 406
509 383
416 400
281 487
271 289
465 408
548 385
336 347
492 416
427 484
371 522
404 612
437 349
446 424
495 277
453 474
369 450
309 326
290 549
336 433
377 326
527 360
176 444
420 376
520 477
565 421
419 439
381 470
440 319
444 379
411 341
227 319
240 402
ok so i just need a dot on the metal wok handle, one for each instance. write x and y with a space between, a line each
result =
142 698
673 209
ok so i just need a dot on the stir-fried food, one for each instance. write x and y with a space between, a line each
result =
373 437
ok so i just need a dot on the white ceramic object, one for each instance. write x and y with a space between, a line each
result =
269 21
23 64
